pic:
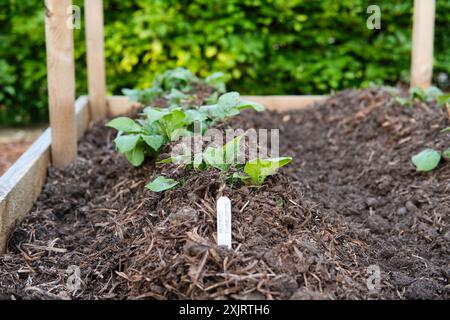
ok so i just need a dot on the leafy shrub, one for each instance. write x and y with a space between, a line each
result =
263 47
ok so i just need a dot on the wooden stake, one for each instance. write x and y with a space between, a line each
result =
95 57
422 43
61 81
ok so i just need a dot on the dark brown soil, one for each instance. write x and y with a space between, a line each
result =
350 200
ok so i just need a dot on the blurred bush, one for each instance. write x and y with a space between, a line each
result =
265 46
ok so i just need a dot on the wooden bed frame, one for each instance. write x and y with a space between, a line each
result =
22 183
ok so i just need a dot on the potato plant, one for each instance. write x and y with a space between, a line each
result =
429 95
158 127
174 86
225 159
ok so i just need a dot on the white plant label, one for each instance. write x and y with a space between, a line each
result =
224 222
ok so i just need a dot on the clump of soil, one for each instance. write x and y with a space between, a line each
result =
350 200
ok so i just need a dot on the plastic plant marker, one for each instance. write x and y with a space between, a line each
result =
224 222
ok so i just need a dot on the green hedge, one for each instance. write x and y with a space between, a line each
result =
265 46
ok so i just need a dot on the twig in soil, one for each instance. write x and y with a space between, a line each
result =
45 248
197 274
244 206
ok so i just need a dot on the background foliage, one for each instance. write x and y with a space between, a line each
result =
265 46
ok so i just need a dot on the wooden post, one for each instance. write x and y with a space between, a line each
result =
61 81
95 57
422 43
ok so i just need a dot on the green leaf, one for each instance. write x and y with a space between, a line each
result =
229 100
194 115
231 150
126 143
124 124
213 98
178 159
198 160
402 101
180 133
145 96
432 93
445 130
443 100
250 105
446 154
259 169
426 160
136 156
161 184
172 121
175 96
223 157
417 93
154 114
214 157
217 80
154 141
214 78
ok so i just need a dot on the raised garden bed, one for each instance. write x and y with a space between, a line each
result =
349 218
350 200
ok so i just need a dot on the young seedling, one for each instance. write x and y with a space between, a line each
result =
145 96
426 160
174 85
228 106
225 158
161 184
258 170
429 159
427 96
178 78
217 81
134 140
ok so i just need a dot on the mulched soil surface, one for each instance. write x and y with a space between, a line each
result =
350 200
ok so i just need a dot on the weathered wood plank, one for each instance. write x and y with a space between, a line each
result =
22 183
119 105
285 103
82 115
95 57
61 81
422 43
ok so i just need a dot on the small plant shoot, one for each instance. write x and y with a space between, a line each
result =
258 170
161 184
426 160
